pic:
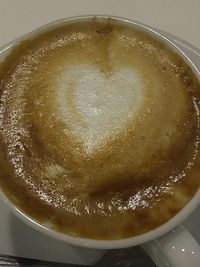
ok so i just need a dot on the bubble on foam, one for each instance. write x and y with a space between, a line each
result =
53 170
96 105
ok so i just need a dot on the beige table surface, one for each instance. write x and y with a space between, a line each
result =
180 17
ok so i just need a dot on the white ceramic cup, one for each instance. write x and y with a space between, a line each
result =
168 245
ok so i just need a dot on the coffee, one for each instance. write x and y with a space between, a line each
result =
99 130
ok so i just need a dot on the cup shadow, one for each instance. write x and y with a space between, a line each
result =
28 242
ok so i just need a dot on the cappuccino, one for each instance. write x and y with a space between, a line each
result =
99 130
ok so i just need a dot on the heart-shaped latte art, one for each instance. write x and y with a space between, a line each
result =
96 105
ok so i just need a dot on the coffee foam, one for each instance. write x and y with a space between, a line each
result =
99 122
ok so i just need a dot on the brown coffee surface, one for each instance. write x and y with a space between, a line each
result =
99 130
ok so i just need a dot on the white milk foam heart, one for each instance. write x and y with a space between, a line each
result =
95 105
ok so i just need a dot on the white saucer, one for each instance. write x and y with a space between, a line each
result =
18 239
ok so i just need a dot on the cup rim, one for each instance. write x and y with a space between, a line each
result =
92 243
